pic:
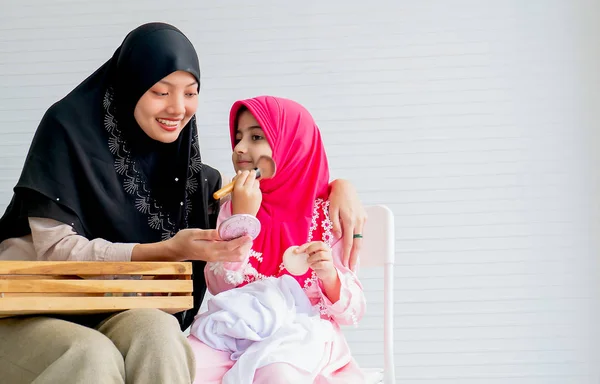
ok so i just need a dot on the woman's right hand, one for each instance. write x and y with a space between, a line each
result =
206 245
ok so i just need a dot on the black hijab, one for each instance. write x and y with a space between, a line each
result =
91 166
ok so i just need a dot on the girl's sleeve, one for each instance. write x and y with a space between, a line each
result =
222 276
351 306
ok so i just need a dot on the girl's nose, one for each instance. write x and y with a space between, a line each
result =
240 148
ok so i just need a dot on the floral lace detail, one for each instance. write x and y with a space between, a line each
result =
354 318
315 216
247 273
133 180
347 280
350 279
322 208
216 267
256 255
253 275
323 310
327 238
327 225
311 281
239 276
250 273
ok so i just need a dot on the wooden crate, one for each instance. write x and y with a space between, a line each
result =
76 287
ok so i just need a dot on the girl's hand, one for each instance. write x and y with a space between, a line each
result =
246 196
320 260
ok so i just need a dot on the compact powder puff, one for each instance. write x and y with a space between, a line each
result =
239 225
295 263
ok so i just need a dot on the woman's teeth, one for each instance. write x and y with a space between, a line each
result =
170 123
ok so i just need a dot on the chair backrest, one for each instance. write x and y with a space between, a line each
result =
378 237
378 250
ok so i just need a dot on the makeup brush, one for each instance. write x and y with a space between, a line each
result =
265 169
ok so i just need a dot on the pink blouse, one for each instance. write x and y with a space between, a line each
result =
350 307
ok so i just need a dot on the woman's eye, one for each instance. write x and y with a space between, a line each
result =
257 137
191 94
160 93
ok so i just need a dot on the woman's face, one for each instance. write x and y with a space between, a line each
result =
168 106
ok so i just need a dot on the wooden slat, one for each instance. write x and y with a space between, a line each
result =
55 294
37 277
83 305
92 286
93 268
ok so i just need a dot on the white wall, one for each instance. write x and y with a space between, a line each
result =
464 117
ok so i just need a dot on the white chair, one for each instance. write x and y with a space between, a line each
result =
379 245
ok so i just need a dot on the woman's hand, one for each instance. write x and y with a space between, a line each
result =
348 217
246 195
206 245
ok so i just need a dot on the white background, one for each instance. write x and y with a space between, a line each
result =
472 120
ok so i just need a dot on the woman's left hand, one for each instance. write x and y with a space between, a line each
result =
348 217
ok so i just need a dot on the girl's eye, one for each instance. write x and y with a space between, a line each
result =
160 93
257 137
191 94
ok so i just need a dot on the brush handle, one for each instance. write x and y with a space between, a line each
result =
221 193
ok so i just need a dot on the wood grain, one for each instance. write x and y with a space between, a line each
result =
82 305
93 268
95 286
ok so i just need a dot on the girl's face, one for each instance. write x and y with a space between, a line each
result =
250 143
168 106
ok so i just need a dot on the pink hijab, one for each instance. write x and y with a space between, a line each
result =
302 177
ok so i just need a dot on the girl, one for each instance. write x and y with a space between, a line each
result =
292 208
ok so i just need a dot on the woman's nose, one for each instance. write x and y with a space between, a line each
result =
176 105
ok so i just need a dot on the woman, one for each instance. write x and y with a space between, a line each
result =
114 174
